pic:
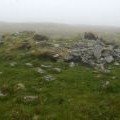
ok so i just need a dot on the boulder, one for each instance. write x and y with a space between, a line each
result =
97 50
109 59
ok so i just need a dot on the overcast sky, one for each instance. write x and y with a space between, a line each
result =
90 12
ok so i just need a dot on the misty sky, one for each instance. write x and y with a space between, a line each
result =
90 12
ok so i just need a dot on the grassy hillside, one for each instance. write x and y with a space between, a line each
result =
31 88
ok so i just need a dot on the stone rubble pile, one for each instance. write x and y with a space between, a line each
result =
95 53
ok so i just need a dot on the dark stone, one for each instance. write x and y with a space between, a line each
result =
38 37
90 36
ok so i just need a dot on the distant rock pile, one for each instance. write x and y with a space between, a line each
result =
95 53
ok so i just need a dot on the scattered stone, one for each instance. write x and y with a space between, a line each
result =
49 78
13 64
57 70
1 94
56 56
46 66
71 64
106 71
116 63
19 86
106 84
29 64
30 98
114 77
41 71
109 59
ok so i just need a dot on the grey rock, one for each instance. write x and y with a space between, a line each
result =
109 59
114 77
41 71
57 70
46 66
29 64
97 51
35 117
49 78
30 98
71 64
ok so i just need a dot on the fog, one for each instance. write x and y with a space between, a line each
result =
90 12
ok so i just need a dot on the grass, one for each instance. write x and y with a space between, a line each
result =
76 94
